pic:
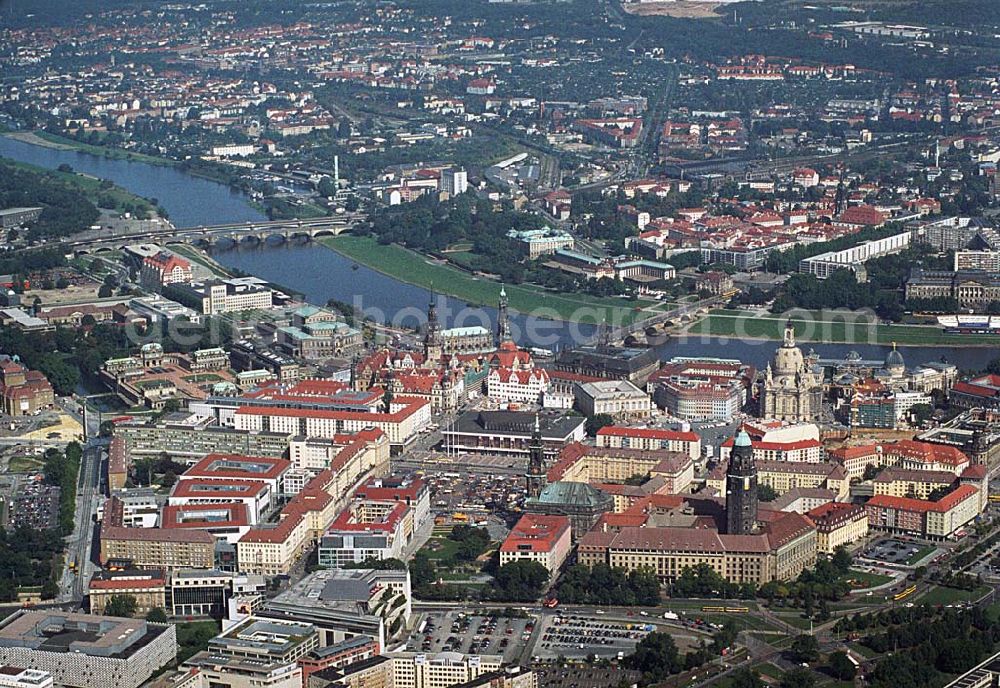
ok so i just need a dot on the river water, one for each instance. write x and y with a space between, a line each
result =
321 274
190 200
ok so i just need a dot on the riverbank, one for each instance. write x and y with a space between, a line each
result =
842 329
418 270
195 255
56 142
91 187
190 201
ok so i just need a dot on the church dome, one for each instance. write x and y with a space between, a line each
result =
787 361
894 360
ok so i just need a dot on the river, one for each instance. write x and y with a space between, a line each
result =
321 274
191 201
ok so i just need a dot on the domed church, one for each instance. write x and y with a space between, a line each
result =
790 389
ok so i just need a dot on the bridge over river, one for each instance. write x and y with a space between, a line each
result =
96 240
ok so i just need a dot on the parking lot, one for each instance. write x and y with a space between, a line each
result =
893 551
460 632
579 637
36 506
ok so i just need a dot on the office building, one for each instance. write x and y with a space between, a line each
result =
211 670
443 670
508 433
164 268
935 520
87 651
261 639
148 588
838 524
157 547
343 603
619 399
15 217
538 538
197 592
648 439
23 392
18 677
342 654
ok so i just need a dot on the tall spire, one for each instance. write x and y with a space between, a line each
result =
432 335
789 334
603 335
503 325
535 477
741 487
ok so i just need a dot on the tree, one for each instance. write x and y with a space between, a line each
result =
598 421
471 541
766 493
422 571
921 413
842 559
745 678
871 471
120 605
841 666
520 581
804 648
799 677
105 291
157 615
656 656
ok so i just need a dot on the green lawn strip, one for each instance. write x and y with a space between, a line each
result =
836 330
863 579
771 670
197 257
104 151
796 620
863 650
440 548
413 268
24 464
942 595
920 554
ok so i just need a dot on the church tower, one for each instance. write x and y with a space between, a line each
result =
503 325
535 477
433 348
741 487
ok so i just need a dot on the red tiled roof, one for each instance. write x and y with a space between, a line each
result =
946 503
128 582
236 516
536 533
195 487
